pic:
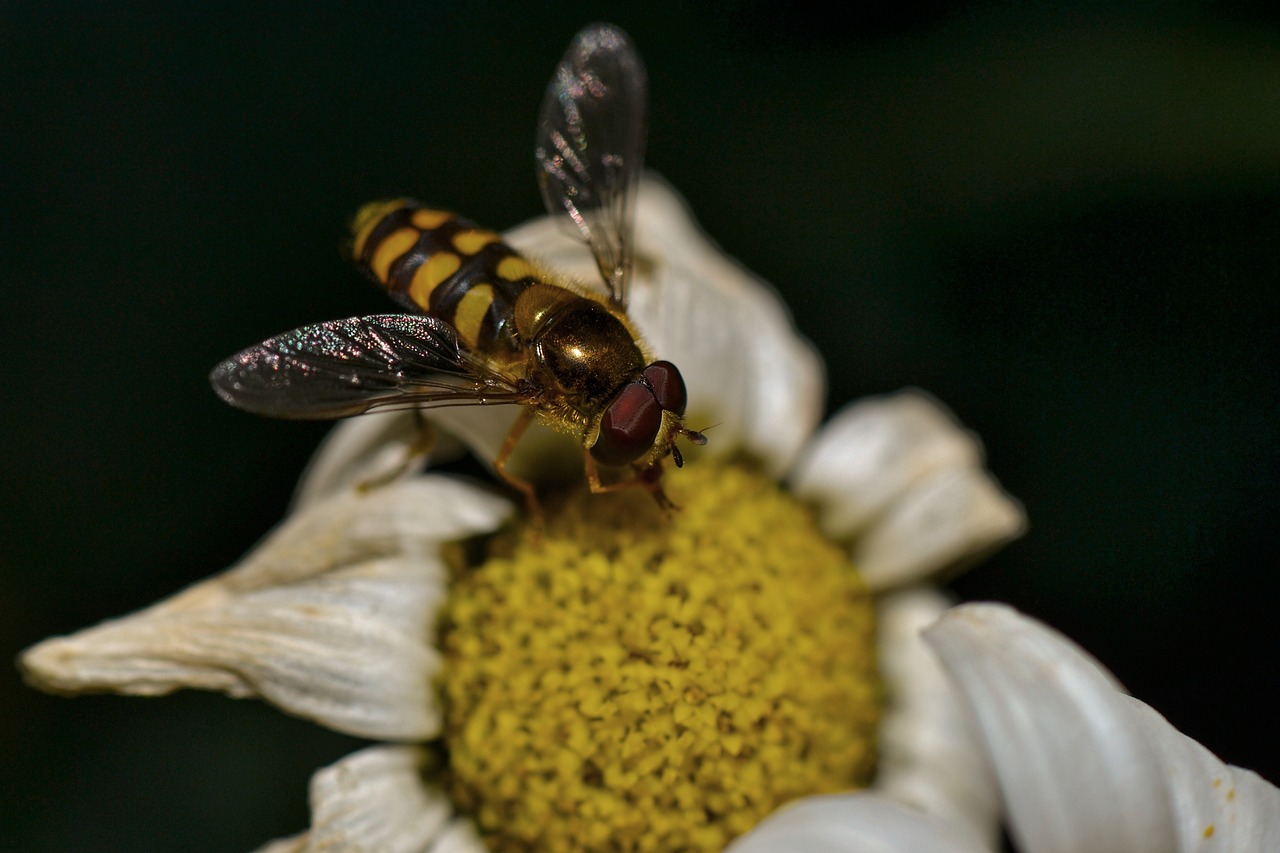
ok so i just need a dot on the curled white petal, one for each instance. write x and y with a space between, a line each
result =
373 801
852 823
742 351
331 618
369 449
931 757
904 481
348 650
1216 806
747 370
410 516
376 447
949 517
1076 770
872 451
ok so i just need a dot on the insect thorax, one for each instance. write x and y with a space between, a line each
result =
581 351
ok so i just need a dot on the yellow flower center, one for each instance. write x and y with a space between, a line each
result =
630 682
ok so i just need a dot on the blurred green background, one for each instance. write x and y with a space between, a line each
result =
1060 218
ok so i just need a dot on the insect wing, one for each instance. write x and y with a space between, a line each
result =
590 151
347 367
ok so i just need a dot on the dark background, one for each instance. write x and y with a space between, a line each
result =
1061 219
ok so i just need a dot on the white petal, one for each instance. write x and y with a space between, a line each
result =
292 844
460 836
373 801
1075 768
1216 806
900 477
746 368
373 448
852 823
331 618
931 756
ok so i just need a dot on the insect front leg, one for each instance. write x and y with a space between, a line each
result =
649 479
500 465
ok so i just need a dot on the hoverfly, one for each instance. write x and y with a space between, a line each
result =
489 327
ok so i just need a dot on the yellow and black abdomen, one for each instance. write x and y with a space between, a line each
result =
446 266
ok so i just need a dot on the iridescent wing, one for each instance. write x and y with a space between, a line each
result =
590 151
347 367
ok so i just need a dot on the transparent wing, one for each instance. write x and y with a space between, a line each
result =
590 150
347 367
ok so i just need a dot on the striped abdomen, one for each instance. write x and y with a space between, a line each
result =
447 266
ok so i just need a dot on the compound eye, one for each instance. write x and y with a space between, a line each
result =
668 386
629 426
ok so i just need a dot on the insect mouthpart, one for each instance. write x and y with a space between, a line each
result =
694 437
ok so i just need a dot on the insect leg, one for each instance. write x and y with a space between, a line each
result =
500 465
649 479
419 449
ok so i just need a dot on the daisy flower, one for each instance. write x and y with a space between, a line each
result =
749 672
